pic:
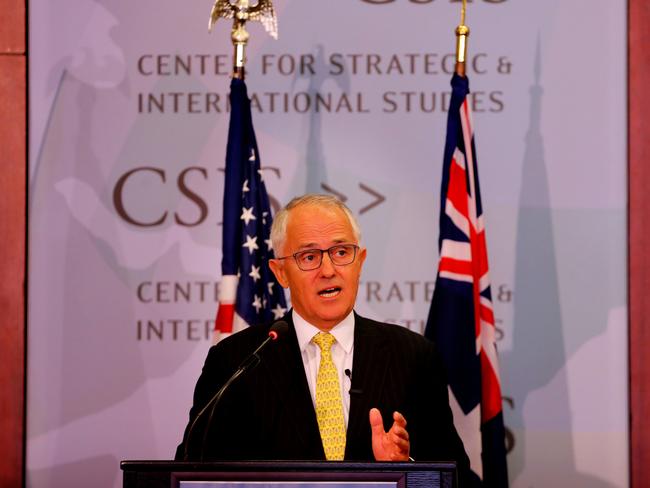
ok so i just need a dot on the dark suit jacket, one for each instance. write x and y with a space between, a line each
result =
269 415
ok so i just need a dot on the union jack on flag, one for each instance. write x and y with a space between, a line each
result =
249 293
461 317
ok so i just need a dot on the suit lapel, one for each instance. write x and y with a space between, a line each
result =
369 368
289 381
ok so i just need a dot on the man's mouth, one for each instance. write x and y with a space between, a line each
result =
330 292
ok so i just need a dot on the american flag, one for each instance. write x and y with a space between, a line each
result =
461 317
249 293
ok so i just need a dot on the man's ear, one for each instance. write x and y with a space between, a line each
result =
362 255
278 270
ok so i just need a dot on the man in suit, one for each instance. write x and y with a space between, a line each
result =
373 391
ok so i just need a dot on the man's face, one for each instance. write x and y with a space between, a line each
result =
326 295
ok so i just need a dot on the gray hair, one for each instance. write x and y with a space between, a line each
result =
279 227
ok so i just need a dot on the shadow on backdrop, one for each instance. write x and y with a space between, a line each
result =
538 349
315 166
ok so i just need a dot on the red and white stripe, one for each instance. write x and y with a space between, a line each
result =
228 321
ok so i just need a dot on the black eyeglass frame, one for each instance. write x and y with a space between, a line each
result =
355 248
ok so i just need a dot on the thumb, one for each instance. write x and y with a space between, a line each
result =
376 422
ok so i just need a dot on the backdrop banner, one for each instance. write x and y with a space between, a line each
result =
128 125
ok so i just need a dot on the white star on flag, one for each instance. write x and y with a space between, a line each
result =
278 311
255 272
269 244
252 156
247 215
269 285
257 303
251 243
244 187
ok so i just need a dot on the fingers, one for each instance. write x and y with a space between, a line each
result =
399 419
398 433
399 426
376 422
399 437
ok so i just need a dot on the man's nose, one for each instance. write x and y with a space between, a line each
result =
327 266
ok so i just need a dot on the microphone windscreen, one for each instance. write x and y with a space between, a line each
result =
278 329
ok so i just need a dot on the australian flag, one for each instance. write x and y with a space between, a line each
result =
249 293
461 318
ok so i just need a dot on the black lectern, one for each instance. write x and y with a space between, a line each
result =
170 474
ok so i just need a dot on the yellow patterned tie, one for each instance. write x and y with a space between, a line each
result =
329 407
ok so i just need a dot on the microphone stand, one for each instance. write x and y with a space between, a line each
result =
248 364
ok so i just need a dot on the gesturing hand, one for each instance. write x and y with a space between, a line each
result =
393 445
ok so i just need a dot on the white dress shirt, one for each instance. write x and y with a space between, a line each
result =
342 351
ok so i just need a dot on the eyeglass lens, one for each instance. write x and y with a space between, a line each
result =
312 258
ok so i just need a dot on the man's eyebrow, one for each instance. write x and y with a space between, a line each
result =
313 245
309 245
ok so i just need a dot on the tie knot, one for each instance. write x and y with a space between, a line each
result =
324 340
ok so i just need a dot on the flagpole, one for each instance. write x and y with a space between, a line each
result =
241 12
462 33
239 36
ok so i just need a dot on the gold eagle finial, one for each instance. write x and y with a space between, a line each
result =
244 10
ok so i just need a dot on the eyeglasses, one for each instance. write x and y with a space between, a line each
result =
311 259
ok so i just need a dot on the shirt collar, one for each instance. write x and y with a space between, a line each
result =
343 332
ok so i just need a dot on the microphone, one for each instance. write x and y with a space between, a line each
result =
277 330
353 391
